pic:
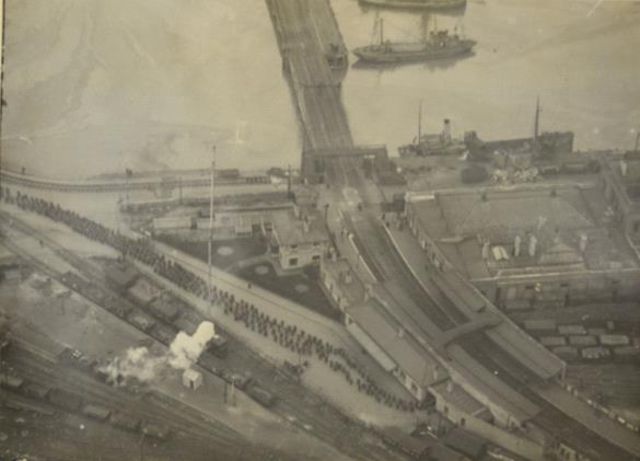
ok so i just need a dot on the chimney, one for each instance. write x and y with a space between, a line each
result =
517 242
305 225
533 244
584 239
446 131
348 278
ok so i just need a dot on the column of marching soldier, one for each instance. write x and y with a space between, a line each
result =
287 336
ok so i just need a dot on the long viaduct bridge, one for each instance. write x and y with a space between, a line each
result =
314 62
485 349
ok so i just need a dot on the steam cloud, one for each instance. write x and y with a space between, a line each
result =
185 349
138 363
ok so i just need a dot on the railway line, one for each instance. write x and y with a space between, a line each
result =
44 368
384 260
294 403
99 186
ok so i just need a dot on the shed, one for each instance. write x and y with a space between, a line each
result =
192 379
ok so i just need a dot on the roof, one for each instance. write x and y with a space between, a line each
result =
561 219
458 397
493 387
497 212
387 333
338 270
290 230
465 442
415 444
526 350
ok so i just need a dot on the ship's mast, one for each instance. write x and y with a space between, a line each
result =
210 246
381 31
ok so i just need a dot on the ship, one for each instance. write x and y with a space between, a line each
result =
433 144
438 44
416 4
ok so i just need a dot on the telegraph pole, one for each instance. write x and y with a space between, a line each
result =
3 24
210 247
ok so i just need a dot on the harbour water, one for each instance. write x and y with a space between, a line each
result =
95 86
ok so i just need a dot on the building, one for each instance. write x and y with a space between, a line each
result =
192 379
620 182
341 284
528 247
397 351
299 237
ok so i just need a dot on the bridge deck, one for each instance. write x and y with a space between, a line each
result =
306 31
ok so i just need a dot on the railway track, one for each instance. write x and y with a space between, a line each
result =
42 368
443 312
295 405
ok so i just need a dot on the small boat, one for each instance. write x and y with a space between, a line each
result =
416 4
436 45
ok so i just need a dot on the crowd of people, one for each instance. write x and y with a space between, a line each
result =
288 336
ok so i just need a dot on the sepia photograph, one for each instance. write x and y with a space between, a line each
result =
320 230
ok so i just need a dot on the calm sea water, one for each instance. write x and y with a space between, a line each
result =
98 86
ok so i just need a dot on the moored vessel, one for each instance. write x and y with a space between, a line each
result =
438 44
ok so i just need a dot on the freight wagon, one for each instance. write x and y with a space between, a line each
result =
36 391
65 400
11 382
164 309
260 395
125 421
164 334
157 431
96 412
140 320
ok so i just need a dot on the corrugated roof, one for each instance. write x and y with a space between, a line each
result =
413 359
